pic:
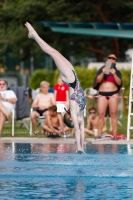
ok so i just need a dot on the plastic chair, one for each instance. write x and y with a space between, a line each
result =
13 121
40 118
13 118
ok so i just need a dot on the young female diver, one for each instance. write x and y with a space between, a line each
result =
68 75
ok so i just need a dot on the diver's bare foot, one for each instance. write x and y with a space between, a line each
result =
83 152
80 152
31 30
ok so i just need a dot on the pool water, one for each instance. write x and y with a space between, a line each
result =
54 171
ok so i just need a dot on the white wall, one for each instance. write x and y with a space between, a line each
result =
119 65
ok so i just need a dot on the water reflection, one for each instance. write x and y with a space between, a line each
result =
22 148
29 148
106 148
65 189
55 171
130 149
53 148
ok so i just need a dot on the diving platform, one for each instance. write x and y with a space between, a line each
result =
117 30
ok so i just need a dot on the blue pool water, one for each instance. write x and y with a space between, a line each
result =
54 171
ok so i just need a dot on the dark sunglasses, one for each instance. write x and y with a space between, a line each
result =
92 112
112 58
2 84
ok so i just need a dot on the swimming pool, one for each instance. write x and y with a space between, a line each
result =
54 171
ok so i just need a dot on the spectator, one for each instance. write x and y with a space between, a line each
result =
41 103
7 101
61 91
53 122
92 121
108 86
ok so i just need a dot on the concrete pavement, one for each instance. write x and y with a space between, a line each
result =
59 140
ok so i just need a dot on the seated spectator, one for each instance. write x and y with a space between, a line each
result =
41 104
53 122
92 121
7 101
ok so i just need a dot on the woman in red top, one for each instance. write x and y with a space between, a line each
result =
108 87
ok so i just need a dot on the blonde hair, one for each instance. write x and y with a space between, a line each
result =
44 83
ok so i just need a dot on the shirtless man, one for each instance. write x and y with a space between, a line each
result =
53 122
41 103
92 121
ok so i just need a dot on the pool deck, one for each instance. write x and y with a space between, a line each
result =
60 140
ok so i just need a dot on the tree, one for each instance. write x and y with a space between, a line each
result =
13 34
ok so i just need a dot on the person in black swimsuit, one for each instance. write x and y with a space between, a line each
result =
68 75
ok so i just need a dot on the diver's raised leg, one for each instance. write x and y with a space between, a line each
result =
61 62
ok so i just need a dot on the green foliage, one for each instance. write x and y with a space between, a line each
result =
13 34
126 85
126 80
41 75
86 77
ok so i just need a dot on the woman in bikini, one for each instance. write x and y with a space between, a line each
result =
108 86
68 75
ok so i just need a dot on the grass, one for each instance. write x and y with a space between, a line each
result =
123 129
21 131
